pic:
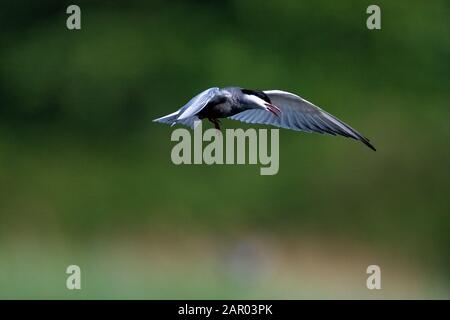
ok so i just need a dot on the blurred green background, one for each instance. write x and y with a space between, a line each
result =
86 177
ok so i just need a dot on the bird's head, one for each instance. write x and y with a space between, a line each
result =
253 101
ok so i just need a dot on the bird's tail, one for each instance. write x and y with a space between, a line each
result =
169 119
172 119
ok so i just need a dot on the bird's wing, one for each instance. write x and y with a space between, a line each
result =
190 122
197 103
301 115
186 115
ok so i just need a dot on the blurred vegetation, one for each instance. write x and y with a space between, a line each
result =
80 157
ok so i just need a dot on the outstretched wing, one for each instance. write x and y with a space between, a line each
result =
186 115
301 115
197 103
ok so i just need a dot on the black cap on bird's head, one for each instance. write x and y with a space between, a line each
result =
259 94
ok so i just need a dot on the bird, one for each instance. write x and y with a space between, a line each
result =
270 107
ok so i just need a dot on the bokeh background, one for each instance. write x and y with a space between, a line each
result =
86 177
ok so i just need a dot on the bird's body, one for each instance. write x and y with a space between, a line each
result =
221 107
274 107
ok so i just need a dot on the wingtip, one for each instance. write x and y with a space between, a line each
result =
368 144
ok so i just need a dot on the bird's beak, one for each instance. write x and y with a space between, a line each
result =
273 109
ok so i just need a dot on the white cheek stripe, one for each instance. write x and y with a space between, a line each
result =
256 100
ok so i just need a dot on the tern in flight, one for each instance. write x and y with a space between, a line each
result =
273 107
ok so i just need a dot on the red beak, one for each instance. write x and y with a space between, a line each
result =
274 109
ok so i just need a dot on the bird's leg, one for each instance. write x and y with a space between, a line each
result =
216 123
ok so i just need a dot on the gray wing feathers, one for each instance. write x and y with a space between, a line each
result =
186 115
197 103
300 115
188 122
